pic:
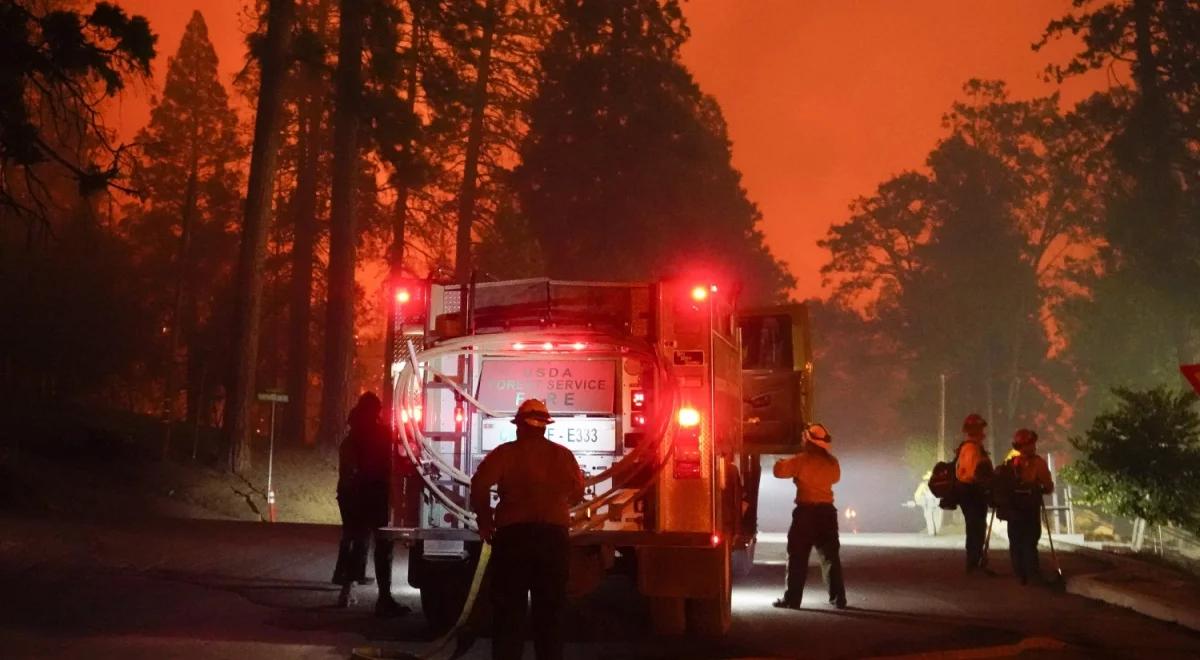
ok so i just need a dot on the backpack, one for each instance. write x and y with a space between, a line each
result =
1003 488
942 480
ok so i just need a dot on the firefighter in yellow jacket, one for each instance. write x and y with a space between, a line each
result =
973 467
538 481
814 520
1031 480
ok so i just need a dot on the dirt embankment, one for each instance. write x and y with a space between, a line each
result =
95 464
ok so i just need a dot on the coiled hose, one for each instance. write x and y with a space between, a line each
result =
430 465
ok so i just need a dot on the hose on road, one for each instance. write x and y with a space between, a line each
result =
458 632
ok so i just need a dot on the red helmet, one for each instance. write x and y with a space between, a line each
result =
1024 438
974 422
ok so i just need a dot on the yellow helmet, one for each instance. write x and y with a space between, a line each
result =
534 413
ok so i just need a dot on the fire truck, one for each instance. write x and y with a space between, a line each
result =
666 392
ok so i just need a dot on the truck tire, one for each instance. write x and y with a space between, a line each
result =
711 617
667 616
445 593
742 561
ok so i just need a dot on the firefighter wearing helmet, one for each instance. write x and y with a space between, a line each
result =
973 468
538 481
814 520
1031 480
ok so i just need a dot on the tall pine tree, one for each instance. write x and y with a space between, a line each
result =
190 178
626 170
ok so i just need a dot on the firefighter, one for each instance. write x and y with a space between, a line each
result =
364 469
1031 480
925 500
814 520
972 469
538 481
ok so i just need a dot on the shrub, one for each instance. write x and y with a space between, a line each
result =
1142 458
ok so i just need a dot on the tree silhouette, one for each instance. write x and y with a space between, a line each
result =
626 173
190 180
60 66
272 53
343 228
957 264
1152 202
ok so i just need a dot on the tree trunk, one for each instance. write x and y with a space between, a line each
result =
470 183
249 281
304 210
187 218
339 331
400 220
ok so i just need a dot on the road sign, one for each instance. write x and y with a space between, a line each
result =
1192 373
274 397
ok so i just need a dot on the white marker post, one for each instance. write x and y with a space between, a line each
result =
275 397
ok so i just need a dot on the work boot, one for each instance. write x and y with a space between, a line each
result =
346 596
387 606
839 603
785 605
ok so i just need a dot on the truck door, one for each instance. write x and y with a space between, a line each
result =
776 378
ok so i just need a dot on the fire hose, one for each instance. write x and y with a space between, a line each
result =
437 648
431 466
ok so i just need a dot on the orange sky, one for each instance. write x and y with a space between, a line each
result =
824 98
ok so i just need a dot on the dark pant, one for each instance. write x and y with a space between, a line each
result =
362 515
975 510
1024 532
814 526
529 559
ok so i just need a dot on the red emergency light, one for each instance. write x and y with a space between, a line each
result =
689 417
699 293
687 445
408 302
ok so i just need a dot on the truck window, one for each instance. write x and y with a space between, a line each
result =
766 342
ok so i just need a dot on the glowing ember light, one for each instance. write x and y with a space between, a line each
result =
699 293
716 540
579 346
547 346
518 346
403 296
689 417
713 288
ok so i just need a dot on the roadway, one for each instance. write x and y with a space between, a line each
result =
206 589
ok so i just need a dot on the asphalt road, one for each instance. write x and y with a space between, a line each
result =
202 589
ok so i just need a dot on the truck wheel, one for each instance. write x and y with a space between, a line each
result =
445 593
667 616
709 617
742 561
